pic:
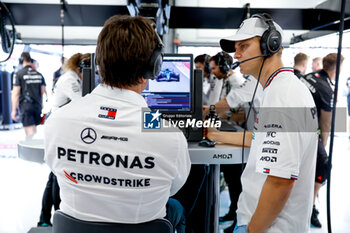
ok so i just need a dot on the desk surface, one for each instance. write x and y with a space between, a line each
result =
33 150
220 154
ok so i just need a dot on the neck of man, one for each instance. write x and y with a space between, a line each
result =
300 68
138 88
331 74
225 76
271 64
25 63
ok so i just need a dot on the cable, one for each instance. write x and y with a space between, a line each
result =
206 173
63 7
6 37
341 28
250 108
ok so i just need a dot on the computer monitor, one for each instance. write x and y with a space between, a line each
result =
171 91
176 92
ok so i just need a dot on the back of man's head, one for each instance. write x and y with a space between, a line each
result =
222 57
300 59
25 57
124 48
201 58
330 61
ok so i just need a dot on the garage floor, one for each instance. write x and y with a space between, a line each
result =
22 184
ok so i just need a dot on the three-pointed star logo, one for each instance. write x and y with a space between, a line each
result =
88 135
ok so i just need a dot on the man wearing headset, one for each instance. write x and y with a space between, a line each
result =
278 180
220 65
108 169
202 62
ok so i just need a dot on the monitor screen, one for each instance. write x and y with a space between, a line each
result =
171 90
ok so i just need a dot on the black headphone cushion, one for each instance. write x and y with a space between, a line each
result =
207 67
155 64
223 65
270 42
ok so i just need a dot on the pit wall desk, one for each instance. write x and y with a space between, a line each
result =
33 150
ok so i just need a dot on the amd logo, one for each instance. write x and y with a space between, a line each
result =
222 156
271 159
269 150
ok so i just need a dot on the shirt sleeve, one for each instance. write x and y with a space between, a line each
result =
71 88
280 149
326 100
183 165
43 83
16 80
243 94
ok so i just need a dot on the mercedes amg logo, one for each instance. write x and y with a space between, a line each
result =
88 135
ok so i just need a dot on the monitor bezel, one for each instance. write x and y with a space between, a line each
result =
192 83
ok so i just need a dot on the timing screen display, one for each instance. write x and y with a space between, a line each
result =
171 89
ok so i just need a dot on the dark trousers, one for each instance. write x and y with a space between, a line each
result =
232 175
51 197
193 200
176 215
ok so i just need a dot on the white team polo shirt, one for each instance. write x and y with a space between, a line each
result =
244 93
107 168
284 145
67 88
234 81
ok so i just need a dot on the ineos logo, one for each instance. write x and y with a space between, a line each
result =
88 135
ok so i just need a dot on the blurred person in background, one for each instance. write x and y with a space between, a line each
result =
28 89
58 72
300 64
316 64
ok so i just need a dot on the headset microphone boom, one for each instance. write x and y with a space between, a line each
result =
237 63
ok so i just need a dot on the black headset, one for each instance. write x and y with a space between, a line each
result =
155 62
85 63
206 64
271 40
223 64
21 59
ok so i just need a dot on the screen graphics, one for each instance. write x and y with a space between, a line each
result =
170 91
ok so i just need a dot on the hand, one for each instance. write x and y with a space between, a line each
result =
213 133
14 115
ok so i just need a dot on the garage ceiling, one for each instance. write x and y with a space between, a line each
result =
193 21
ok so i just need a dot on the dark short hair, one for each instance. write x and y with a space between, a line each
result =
124 49
25 56
330 61
300 58
202 58
222 55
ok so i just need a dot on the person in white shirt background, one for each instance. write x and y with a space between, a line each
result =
68 86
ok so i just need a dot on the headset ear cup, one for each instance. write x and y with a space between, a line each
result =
274 41
263 44
155 64
158 65
223 66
